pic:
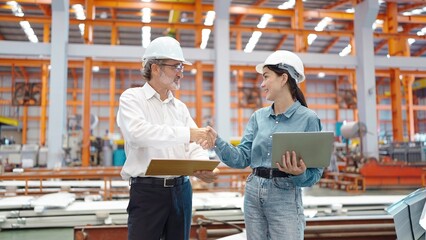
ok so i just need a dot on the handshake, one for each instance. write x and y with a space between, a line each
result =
205 137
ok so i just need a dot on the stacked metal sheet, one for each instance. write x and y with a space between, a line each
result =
62 210
407 215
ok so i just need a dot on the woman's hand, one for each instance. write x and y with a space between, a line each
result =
211 139
291 165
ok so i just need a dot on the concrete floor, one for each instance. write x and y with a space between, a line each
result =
38 234
67 233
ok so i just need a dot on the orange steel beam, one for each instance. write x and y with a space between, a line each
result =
420 51
300 40
25 111
112 77
330 45
297 22
240 111
379 46
337 86
252 10
199 94
46 9
406 30
410 7
396 48
88 29
43 118
85 158
337 4
24 73
74 89
198 18
241 17
278 47
408 84
239 41
122 79
397 124
44 89
123 23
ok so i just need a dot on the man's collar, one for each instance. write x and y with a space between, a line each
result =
150 92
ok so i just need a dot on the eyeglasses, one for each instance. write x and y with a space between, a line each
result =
178 67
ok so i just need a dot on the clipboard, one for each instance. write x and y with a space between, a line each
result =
179 167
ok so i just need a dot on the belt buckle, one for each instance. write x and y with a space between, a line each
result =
168 185
271 171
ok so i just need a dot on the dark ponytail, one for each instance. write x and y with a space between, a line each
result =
295 91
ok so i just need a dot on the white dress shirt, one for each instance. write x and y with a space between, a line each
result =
154 129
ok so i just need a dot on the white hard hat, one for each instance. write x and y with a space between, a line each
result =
285 60
164 48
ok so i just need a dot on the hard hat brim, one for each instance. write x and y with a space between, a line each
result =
186 63
259 68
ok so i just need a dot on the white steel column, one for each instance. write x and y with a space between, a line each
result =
365 15
222 81
58 82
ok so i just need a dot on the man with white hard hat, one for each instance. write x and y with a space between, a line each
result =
155 124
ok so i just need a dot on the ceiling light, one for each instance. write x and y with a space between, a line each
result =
146 15
16 8
252 41
311 38
25 25
287 5
146 36
323 24
205 34
210 16
346 51
79 11
264 20
321 74
80 15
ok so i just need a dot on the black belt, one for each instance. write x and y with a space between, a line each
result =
269 172
161 182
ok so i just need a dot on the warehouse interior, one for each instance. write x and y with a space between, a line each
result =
64 65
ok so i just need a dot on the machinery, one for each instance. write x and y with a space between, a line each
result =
72 142
400 164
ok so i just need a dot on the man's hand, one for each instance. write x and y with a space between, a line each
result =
207 176
201 135
291 165
212 135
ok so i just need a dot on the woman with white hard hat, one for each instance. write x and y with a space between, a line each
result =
155 124
273 207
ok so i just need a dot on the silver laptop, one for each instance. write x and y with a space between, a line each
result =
315 148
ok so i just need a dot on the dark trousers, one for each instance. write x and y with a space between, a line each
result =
157 212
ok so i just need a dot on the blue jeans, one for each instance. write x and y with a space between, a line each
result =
273 209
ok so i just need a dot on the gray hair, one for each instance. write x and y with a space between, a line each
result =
146 67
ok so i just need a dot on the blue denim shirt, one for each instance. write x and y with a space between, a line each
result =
255 149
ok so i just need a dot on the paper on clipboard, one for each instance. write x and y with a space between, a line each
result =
179 167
